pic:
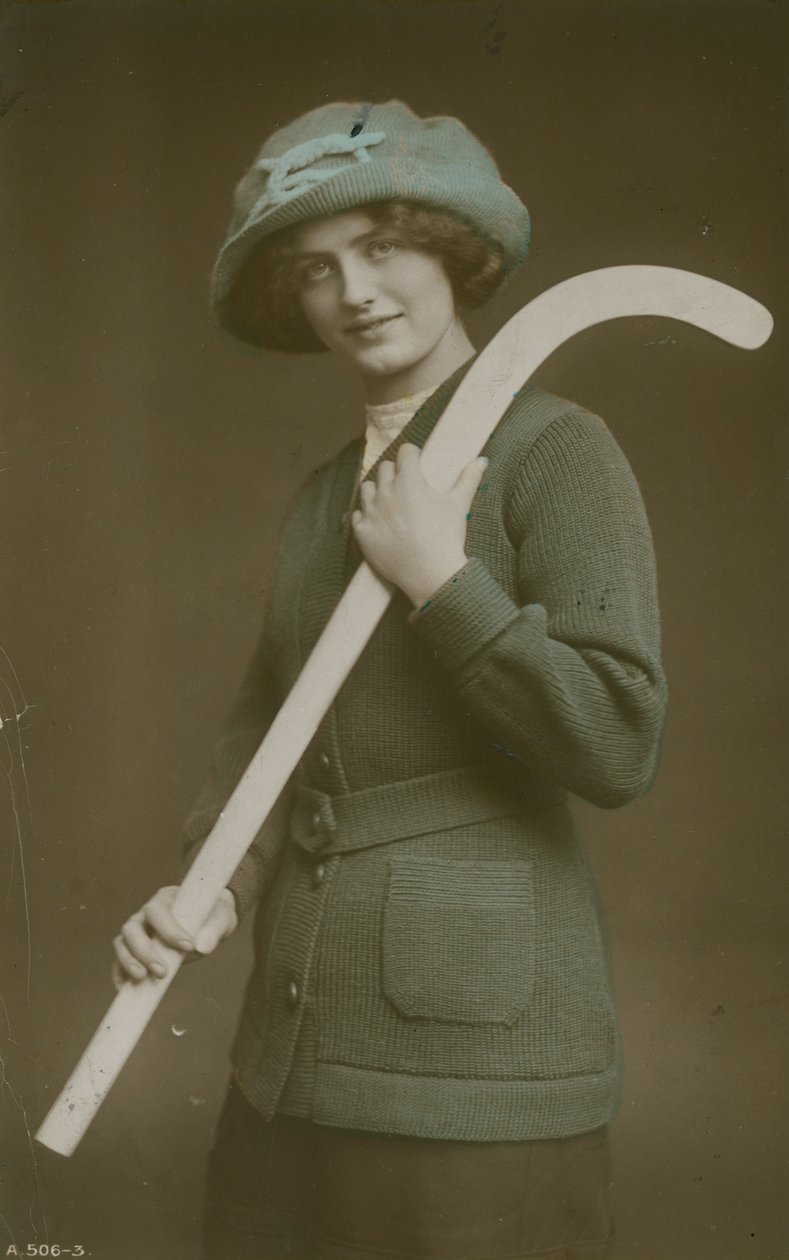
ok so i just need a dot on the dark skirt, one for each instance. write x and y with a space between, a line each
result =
294 1189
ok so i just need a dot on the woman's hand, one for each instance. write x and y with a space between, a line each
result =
136 953
410 533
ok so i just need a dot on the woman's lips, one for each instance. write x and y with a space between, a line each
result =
369 327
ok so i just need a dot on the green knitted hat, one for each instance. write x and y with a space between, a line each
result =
349 154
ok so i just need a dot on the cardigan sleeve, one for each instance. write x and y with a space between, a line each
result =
246 724
566 677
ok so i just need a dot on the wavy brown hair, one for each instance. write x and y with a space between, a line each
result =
265 303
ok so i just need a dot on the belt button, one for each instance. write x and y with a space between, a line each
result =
318 874
315 824
293 993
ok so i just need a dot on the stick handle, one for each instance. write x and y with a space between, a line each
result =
486 392
346 634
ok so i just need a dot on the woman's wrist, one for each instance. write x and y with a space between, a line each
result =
421 586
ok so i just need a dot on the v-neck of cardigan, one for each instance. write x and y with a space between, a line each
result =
347 480
416 430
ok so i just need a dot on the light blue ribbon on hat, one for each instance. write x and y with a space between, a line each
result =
294 173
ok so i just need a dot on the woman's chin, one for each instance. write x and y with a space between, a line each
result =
381 359
382 366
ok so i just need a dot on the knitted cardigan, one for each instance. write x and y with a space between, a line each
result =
430 956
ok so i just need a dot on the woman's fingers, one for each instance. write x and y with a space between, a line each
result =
159 916
134 958
140 931
366 493
410 532
136 951
136 946
408 456
409 464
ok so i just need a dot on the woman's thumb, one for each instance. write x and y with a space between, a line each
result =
217 926
207 939
469 480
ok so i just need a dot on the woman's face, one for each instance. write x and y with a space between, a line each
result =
386 306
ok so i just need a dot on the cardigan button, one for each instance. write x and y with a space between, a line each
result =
315 824
293 993
318 874
324 760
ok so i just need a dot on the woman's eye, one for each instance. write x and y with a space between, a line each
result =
314 270
382 249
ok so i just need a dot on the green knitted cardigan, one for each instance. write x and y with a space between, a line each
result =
430 954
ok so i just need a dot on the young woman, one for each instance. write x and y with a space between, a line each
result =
428 1056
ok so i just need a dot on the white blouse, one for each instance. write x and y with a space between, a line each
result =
384 421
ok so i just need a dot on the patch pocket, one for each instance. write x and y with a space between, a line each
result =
458 939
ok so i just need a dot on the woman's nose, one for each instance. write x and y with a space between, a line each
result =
358 283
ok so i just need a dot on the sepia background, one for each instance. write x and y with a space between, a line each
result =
146 465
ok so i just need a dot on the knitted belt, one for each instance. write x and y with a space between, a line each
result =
359 820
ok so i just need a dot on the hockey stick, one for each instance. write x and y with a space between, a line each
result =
484 395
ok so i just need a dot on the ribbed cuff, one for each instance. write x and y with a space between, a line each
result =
464 615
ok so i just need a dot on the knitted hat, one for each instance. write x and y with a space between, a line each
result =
349 154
